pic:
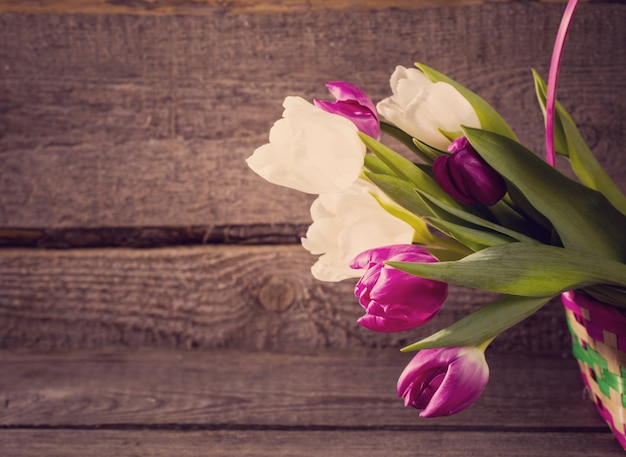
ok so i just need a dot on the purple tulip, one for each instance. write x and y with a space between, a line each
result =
353 104
444 381
466 176
394 300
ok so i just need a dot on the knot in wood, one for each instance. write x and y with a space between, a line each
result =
277 295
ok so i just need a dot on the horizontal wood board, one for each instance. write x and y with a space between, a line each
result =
254 443
213 7
219 296
123 120
247 403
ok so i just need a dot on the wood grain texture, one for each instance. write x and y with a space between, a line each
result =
240 403
212 7
110 120
247 297
255 443
290 390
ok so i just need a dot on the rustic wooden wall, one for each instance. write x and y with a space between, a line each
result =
127 214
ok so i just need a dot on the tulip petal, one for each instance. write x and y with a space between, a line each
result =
444 381
467 177
443 176
422 108
353 104
465 381
393 300
310 150
344 91
347 223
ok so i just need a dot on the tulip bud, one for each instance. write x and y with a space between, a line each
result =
394 300
353 104
466 176
423 108
444 381
346 223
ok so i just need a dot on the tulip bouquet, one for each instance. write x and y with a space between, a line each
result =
475 208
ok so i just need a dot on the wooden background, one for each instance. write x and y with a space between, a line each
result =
130 222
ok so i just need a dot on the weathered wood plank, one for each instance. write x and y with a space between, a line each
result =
211 7
247 403
247 297
132 120
231 389
261 443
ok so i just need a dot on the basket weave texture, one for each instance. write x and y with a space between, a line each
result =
599 344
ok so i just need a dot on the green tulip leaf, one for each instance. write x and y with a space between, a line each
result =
605 293
541 91
483 324
569 141
375 165
474 238
401 192
588 169
583 218
455 215
422 234
488 117
431 152
412 209
405 139
407 170
446 254
451 136
510 216
528 269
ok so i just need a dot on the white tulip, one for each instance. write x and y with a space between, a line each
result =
346 224
310 150
421 107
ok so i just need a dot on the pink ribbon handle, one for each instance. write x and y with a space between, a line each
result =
553 77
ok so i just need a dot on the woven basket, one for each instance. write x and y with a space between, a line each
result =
599 344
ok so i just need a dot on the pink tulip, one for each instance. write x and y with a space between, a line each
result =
444 381
466 177
394 300
353 104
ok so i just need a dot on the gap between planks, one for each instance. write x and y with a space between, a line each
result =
151 237
217 7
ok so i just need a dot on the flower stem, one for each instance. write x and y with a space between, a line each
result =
485 344
553 77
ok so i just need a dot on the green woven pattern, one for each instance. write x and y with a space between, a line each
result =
606 379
